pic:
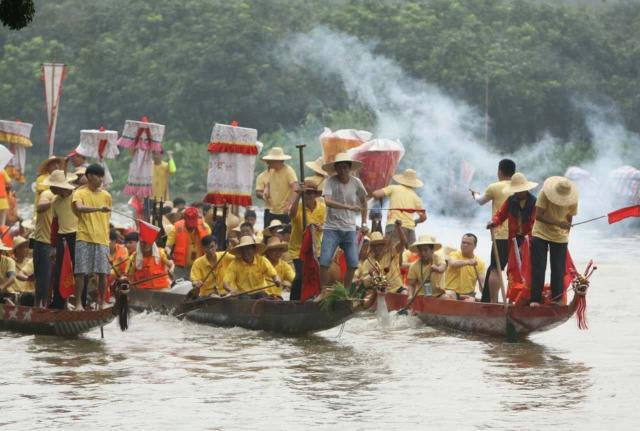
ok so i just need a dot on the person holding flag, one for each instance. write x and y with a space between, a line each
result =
92 205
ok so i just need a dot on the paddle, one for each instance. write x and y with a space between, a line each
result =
186 307
213 268
510 330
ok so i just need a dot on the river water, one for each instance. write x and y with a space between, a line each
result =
167 374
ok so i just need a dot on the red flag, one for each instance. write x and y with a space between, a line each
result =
148 232
623 213
67 281
310 267
137 205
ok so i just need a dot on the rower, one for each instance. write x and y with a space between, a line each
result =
384 260
319 174
464 269
496 193
207 272
316 212
5 187
131 242
403 195
274 229
556 205
425 274
23 284
184 241
118 255
274 251
7 272
275 186
249 271
520 211
150 267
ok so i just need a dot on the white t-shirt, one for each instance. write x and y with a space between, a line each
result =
350 193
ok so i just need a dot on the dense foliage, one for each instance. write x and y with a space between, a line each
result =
189 64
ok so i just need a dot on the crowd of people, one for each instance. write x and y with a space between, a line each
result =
223 251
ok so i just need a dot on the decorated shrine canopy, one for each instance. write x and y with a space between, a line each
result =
341 141
232 162
15 132
142 135
98 144
379 159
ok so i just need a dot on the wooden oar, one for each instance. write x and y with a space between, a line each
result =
144 280
213 268
510 331
186 307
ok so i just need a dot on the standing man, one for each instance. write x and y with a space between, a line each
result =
42 245
344 195
161 173
403 195
275 186
184 242
92 205
497 193
556 205
464 269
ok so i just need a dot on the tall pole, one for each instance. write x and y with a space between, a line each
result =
304 212
486 111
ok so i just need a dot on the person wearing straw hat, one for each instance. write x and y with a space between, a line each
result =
344 195
383 259
556 205
67 224
273 252
319 174
464 270
92 205
44 170
250 271
425 274
520 212
404 196
274 229
316 213
496 194
275 186
23 284
7 270
41 244
207 272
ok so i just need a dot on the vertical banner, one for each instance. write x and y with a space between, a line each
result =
52 74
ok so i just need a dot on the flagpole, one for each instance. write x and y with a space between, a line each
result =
53 111
590 220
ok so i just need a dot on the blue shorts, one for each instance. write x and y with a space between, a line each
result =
346 240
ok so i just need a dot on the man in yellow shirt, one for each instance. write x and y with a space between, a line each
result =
425 274
44 170
249 272
403 195
315 212
42 246
207 272
273 252
160 178
383 259
7 270
275 186
464 270
92 205
556 205
497 193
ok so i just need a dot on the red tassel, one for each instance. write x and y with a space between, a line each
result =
581 312
222 147
221 199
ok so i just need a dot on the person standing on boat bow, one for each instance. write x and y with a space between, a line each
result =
497 194
207 272
250 271
404 196
520 211
556 205
184 241
344 195
464 269
275 186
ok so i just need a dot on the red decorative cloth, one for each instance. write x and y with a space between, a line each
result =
310 267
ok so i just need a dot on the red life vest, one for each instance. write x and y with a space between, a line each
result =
3 186
151 269
181 246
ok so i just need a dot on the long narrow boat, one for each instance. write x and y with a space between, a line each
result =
40 321
283 317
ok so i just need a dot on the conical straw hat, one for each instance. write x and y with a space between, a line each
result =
560 191
316 166
276 153
425 240
247 241
59 180
274 243
408 178
376 238
519 184
341 157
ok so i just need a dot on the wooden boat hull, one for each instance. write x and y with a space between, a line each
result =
282 317
38 321
163 301
490 319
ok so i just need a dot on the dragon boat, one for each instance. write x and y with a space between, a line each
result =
43 321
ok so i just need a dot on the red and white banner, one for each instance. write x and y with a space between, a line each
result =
52 74
231 165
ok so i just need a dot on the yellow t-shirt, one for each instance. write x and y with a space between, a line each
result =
421 273
279 186
67 219
249 276
463 279
214 282
93 227
402 197
496 192
42 231
317 216
389 265
4 202
285 273
193 243
7 265
40 187
261 184
160 181
547 231
26 268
